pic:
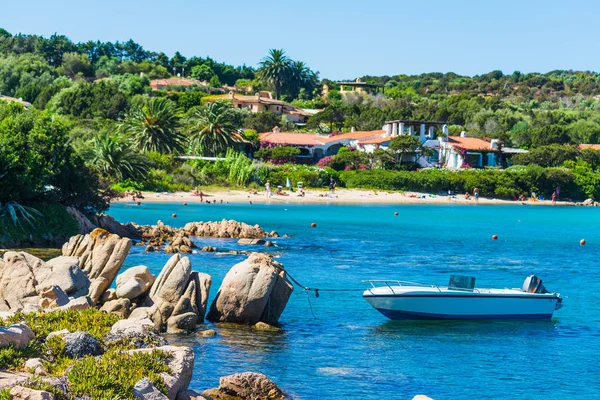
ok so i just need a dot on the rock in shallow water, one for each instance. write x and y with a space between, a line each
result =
254 290
247 385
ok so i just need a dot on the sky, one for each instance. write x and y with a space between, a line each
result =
340 39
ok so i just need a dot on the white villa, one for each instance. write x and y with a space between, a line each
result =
448 151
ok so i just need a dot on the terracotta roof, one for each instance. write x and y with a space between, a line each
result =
249 99
308 139
291 138
376 141
358 135
470 143
589 146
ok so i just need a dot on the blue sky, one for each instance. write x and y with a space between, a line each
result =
341 39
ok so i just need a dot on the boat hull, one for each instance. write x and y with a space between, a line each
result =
471 306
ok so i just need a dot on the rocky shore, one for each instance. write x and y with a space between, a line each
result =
96 326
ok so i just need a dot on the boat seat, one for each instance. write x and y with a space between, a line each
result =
532 284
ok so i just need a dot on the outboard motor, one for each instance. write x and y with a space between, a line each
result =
533 284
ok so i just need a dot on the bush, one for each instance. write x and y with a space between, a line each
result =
115 374
503 184
54 222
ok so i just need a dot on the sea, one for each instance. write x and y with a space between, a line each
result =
336 346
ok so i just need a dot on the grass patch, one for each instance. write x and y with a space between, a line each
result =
96 322
11 358
5 394
91 320
110 376
115 374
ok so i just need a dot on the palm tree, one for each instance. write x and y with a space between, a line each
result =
154 127
301 76
212 128
275 69
114 157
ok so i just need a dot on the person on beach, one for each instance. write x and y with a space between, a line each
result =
476 193
554 197
268 189
467 196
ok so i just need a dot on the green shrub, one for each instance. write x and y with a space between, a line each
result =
54 221
115 374
95 322
504 184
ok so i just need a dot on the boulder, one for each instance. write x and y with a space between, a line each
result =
67 274
176 294
251 241
23 393
17 335
139 333
59 334
254 290
172 280
189 395
80 344
128 326
181 365
101 255
110 294
182 322
141 313
588 202
80 303
145 390
247 385
35 366
120 307
85 225
208 333
108 223
52 297
421 397
268 243
24 276
261 326
131 289
134 282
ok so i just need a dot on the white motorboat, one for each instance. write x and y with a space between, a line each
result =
401 300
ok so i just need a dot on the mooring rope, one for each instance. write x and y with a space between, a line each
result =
306 289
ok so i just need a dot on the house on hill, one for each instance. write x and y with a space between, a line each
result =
9 99
264 101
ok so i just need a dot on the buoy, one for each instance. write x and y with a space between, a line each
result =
174 215
396 213
582 242
494 237
313 225
185 204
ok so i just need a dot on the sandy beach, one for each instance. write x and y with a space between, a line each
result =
341 196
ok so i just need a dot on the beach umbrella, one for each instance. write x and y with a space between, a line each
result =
288 183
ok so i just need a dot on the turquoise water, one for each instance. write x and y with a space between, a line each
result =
349 350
